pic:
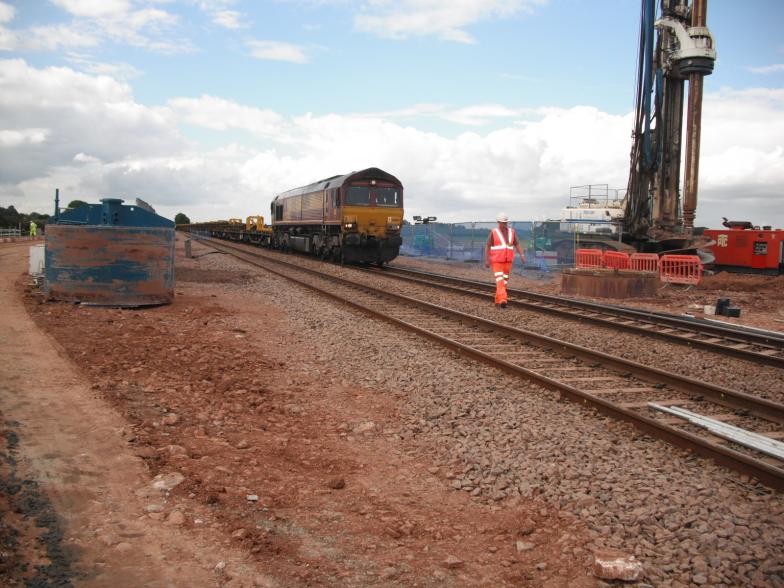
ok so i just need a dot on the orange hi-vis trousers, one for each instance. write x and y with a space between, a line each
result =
501 272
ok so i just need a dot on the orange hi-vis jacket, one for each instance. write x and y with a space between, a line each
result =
502 249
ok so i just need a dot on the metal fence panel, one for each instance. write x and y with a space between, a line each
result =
465 241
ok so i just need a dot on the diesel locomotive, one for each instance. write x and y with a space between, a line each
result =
351 218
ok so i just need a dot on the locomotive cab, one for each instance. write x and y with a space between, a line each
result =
372 214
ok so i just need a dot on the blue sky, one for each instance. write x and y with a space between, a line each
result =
212 106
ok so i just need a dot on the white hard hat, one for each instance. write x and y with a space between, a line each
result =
502 217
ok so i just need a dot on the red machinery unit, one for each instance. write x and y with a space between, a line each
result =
748 250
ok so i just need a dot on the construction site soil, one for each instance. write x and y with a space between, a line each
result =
280 468
252 434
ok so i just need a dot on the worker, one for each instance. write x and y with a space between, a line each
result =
499 251
33 229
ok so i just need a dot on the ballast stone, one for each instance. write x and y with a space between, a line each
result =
616 565
160 483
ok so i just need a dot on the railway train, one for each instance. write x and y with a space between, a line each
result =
354 218
348 218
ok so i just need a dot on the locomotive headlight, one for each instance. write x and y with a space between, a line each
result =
392 227
349 225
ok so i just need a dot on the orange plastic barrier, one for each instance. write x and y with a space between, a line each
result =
616 260
588 258
645 262
680 269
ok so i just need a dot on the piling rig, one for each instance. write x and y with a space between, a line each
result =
674 49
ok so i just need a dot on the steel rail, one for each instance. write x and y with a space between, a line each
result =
764 472
726 341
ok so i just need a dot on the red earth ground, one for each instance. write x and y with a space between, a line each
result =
96 402
287 476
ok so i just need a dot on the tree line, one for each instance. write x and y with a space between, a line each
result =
10 218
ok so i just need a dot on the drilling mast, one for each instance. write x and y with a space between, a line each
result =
683 51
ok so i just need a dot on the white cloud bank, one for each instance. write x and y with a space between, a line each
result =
447 19
141 24
768 69
95 140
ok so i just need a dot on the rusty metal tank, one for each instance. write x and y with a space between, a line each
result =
607 283
110 254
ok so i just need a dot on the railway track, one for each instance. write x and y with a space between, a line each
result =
758 346
612 385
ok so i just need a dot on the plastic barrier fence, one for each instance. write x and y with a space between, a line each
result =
588 258
645 262
680 269
616 260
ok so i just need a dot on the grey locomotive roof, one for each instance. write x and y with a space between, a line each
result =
337 181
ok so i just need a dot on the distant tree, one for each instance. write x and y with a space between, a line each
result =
181 219
76 203
9 217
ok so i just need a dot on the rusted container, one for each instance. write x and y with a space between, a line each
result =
110 254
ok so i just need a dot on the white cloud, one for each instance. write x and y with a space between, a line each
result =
768 69
54 37
119 71
447 19
14 138
219 114
97 21
82 113
221 14
95 8
149 28
96 139
475 116
6 12
230 19
45 37
278 51
84 158
480 114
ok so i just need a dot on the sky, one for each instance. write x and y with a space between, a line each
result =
211 107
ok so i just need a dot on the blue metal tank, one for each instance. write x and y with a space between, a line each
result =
110 254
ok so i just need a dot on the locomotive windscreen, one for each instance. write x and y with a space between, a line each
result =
387 197
365 196
358 196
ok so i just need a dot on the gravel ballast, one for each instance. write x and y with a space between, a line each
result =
503 440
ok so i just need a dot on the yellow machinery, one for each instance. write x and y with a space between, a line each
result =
254 223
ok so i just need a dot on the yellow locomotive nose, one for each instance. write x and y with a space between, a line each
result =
375 222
